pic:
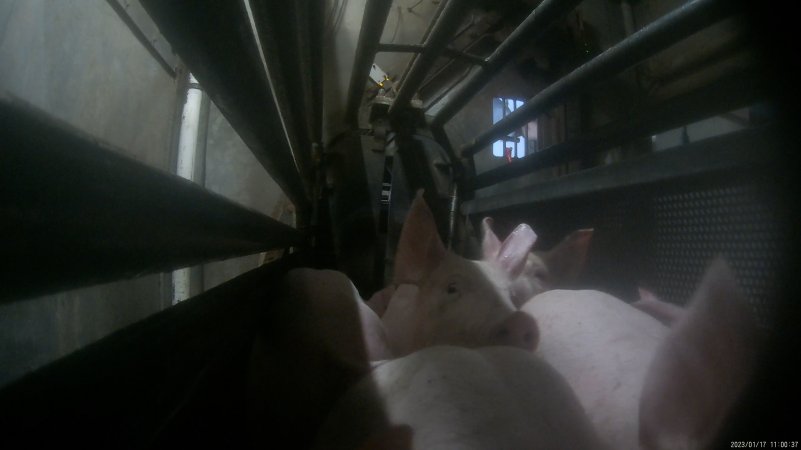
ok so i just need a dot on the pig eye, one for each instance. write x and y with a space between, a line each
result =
452 289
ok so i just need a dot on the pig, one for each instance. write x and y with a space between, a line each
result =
642 384
440 298
556 268
320 339
446 397
649 303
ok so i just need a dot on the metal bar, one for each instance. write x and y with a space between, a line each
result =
448 51
531 29
216 44
75 212
141 25
440 36
286 57
662 33
373 22
721 96
748 149
426 33
130 389
316 30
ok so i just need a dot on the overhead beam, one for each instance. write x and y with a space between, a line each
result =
448 51
215 41
437 41
75 212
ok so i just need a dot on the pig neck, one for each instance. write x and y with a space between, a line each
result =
400 318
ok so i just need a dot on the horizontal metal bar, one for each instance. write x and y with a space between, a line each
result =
75 212
129 389
214 40
437 41
524 36
448 51
748 149
373 22
721 96
662 33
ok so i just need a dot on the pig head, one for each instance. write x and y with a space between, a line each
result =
440 298
642 384
556 268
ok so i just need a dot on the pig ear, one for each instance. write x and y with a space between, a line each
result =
420 249
566 260
701 367
515 248
490 245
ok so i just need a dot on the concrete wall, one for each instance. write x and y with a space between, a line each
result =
79 62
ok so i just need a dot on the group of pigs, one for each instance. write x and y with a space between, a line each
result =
488 355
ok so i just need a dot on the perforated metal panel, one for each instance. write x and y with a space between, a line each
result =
737 222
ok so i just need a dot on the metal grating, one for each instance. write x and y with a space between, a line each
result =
738 222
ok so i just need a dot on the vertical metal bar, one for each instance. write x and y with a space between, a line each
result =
666 31
373 22
524 35
440 37
316 30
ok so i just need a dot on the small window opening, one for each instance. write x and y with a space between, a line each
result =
519 142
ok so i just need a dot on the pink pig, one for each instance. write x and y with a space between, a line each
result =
642 384
440 298
556 268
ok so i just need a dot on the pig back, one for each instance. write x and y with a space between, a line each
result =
453 397
602 347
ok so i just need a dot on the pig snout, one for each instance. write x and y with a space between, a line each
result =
519 330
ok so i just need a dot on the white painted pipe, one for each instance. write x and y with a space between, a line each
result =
187 151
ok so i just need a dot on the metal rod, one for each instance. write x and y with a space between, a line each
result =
524 35
750 149
316 30
440 36
76 212
226 62
285 55
662 33
448 51
373 22
426 33
723 95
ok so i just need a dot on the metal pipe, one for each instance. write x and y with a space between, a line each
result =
76 212
723 95
448 51
524 36
373 22
426 33
440 36
225 60
751 150
662 33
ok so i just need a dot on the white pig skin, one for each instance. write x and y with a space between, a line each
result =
644 385
457 398
443 299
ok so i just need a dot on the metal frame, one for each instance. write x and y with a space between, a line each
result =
528 32
78 213
447 51
660 34
435 44
225 59
373 22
